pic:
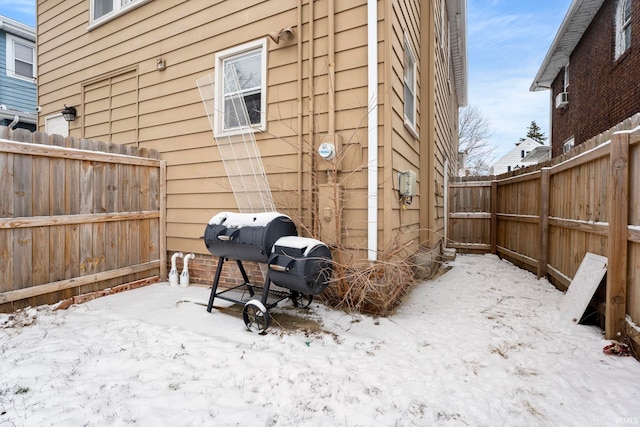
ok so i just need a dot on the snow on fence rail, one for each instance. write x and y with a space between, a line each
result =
76 216
547 219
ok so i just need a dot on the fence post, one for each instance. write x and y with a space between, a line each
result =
163 220
543 256
494 218
616 292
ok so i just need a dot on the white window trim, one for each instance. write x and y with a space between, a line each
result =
568 144
621 26
117 11
410 122
566 77
443 19
218 123
11 39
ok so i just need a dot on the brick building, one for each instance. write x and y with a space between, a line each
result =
592 70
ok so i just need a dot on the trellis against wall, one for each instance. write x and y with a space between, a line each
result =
76 216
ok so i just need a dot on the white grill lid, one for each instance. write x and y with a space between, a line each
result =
303 243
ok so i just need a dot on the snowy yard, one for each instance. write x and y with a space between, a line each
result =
482 345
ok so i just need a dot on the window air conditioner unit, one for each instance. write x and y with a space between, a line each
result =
562 100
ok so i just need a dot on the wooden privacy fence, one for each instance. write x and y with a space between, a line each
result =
547 219
76 216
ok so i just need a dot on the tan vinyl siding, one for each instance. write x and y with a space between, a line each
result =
110 106
405 150
445 122
109 73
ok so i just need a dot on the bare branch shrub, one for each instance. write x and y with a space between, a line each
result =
357 284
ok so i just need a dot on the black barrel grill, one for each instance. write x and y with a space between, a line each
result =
300 265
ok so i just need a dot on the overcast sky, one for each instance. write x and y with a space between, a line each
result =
507 42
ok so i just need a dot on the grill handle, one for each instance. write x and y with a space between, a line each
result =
227 237
277 267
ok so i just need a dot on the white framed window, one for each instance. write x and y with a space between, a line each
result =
566 77
104 10
410 87
568 144
21 58
240 88
623 27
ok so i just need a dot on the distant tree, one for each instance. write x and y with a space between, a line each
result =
474 131
534 132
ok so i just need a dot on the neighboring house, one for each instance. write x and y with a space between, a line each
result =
520 156
384 86
592 70
538 155
17 74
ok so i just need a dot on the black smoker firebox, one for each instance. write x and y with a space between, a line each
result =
300 265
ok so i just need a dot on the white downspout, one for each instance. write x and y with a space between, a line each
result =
173 274
184 276
14 122
372 140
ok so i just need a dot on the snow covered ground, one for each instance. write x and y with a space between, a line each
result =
482 345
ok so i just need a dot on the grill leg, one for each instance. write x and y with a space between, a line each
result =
265 290
214 287
245 277
243 272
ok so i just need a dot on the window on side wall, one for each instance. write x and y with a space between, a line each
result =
410 84
21 58
102 10
623 27
568 145
240 94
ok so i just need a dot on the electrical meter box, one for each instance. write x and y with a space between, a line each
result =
407 183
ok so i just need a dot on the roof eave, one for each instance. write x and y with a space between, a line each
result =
457 16
18 28
575 23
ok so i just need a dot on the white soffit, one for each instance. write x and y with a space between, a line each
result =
457 16
575 23
18 28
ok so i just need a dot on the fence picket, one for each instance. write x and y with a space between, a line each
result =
547 220
66 213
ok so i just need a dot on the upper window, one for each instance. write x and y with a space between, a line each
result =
568 144
21 58
623 27
241 88
410 84
102 10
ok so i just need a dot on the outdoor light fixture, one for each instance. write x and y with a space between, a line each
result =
69 113
285 34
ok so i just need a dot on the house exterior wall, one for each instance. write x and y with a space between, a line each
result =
399 226
514 157
445 149
18 95
603 91
109 72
